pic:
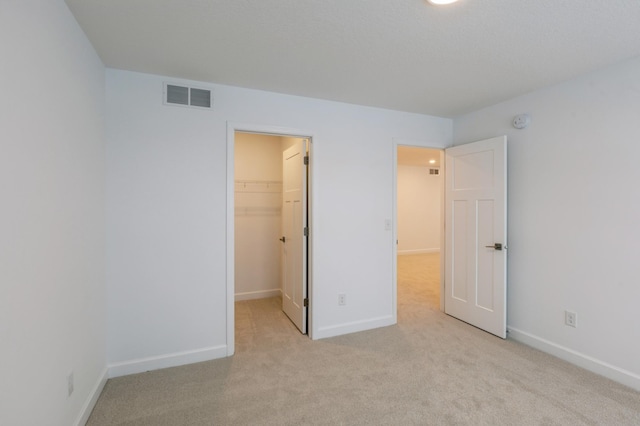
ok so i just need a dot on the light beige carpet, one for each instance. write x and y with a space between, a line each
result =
427 369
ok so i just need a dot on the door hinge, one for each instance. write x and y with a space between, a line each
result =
306 160
306 231
306 302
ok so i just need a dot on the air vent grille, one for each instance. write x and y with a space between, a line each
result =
434 171
177 95
201 98
187 96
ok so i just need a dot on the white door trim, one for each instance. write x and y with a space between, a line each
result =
394 269
232 128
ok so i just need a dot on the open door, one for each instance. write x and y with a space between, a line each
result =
476 234
294 238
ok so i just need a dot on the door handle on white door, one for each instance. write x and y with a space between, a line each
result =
496 246
283 239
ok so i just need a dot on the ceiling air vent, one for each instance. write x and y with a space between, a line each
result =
434 171
187 96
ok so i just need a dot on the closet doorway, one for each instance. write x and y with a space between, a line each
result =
419 212
271 226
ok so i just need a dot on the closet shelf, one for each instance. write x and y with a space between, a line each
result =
258 186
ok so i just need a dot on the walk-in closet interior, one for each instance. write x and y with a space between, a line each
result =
258 214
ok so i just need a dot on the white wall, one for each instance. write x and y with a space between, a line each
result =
418 210
258 218
166 217
573 217
52 290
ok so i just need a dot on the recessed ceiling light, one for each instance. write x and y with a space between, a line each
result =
439 2
432 161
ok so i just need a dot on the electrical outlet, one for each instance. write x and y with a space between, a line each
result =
70 384
342 299
571 319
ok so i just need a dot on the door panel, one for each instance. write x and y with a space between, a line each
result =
475 220
485 255
459 251
294 214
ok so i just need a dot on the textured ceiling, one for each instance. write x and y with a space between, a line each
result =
399 54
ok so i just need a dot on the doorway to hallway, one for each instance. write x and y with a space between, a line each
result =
419 204
473 244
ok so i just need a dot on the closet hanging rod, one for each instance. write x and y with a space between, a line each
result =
258 211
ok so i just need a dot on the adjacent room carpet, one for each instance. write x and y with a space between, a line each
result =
429 369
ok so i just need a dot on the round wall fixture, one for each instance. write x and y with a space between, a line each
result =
521 121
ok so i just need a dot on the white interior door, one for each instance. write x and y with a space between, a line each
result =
294 222
476 234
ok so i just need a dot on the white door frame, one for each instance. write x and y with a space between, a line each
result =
414 144
232 128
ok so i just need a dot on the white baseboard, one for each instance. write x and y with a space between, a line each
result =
262 294
609 371
87 408
418 251
164 361
354 327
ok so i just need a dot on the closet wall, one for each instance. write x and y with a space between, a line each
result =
258 204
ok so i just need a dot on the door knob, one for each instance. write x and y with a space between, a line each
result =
283 239
496 246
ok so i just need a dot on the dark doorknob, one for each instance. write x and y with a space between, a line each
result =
496 246
283 239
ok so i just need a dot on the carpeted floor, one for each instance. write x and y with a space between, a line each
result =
427 369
